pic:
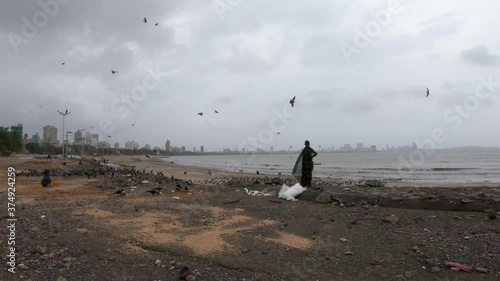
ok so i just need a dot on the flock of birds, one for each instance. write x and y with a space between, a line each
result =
292 101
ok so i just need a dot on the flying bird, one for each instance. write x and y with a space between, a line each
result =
216 111
200 113
278 133
63 63
113 71
133 124
156 24
290 146
427 92
145 20
109 136
292 101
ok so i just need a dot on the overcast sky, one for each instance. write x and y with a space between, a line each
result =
359 71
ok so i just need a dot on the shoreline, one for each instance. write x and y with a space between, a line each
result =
205 175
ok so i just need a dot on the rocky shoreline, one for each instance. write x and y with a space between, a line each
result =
83 229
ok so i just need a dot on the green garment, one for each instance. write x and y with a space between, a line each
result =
297 169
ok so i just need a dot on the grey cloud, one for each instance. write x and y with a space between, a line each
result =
480 55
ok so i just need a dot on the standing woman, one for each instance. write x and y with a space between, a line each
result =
306 159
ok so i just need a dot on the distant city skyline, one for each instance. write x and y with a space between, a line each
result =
83 137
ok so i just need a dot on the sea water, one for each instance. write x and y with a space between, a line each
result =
481 165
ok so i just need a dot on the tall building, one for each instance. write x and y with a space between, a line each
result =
117 145
91 139
78 137
359 146
131 145
50 134
201 149
35 138
167 146
183 148
17 130
147 146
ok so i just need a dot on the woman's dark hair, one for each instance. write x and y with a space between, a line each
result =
307 143
46 172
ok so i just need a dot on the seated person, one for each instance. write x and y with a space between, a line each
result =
46 181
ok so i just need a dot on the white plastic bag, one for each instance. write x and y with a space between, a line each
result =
283 189
289 193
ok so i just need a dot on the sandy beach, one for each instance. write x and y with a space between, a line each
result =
81 230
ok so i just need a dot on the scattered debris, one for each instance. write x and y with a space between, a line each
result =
457 266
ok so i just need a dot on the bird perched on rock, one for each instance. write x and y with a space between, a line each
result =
292 101
492 214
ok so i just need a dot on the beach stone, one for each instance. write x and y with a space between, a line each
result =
22 266
481 269
391 219
42 250
190 278
60 278
343 239
324 197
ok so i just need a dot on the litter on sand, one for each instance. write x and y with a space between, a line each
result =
289 193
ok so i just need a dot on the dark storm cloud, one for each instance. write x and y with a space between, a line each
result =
480 55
